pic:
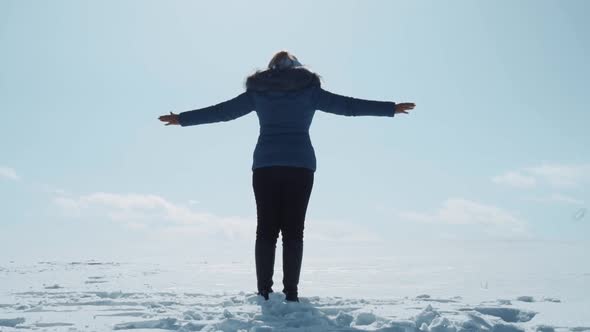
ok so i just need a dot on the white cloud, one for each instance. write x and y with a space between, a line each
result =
556 175
458 211
8 173
155 213
138 211
515 179
562 175
557 198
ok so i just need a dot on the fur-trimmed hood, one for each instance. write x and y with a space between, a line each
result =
282 79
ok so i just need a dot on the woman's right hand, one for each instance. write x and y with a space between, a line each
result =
404 107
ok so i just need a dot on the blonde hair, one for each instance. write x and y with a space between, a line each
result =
282 60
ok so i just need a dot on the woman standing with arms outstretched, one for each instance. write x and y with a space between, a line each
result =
285 96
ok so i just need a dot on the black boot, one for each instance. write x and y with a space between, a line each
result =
292 257
291 296
265 293
265 261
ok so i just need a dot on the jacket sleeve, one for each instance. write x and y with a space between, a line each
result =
348 106
224 111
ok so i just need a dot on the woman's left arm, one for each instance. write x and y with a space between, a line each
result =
224 111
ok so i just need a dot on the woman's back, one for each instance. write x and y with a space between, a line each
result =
283 100
284 104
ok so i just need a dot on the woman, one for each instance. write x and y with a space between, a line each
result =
285 97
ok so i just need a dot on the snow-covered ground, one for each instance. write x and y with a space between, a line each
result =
503 291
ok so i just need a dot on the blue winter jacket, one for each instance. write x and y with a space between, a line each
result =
285 102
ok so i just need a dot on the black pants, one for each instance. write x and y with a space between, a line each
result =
282 195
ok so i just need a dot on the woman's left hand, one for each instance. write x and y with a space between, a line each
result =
172 119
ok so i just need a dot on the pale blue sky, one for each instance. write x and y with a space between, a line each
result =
496 148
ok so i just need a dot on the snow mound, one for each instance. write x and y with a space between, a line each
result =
510 315
525 298
164 324
11 322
